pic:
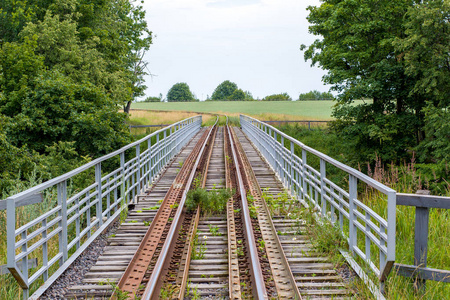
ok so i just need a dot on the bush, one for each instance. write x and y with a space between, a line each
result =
214 201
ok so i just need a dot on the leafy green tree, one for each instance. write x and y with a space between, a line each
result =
316 95
425 48
180 92
237 95
248 96
153 99
224 91
357 51
278 97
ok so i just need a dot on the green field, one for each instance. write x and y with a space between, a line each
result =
293 110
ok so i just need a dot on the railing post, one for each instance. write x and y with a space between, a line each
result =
304 171
292 180
322 183
353 194
138 161
98 179
62 200
11 232
149 160
421 242
158 151
122 167
165 147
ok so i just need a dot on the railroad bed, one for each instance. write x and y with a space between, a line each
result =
243 252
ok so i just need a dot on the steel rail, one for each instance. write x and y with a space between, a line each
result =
135 271
234 287
154 278
196 219
261 292
281 271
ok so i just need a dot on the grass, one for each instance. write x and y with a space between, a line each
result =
403 178
270 110
146 117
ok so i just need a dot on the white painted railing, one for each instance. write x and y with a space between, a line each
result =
76 219
359 223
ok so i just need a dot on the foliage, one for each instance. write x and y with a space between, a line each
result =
316 95
213 201
224 90
55 109
154 99
278 97
362 62
237 95
65 67
425 49
180 92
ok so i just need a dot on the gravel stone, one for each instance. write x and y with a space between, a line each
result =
75 273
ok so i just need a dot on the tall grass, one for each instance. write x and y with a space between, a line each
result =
404 178
9 289
148 117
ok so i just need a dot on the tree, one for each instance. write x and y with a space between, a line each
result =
278 97
357 51
248 96
180 92
153 99
425 49
224 91
238 95
316 95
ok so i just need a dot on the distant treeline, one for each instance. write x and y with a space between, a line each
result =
229 91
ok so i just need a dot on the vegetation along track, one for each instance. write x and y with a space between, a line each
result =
179 244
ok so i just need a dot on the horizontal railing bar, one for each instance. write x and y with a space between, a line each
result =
31 199
423 273
145 126
379 186
426 201
38 220
32 263
91 164
112 173
37 232
297 121
79 194
371 213
36 245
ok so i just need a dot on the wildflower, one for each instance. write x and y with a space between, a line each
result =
205 237
294 238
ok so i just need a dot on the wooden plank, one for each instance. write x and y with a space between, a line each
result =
423 201
31 199
423 273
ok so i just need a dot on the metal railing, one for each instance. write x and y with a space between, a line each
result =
77 218
370 236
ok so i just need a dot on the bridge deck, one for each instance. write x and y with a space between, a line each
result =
315 275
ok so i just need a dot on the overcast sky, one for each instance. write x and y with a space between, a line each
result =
254 43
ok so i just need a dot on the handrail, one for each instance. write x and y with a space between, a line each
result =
76 219
312 187
422 202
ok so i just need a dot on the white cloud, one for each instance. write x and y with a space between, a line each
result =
253 43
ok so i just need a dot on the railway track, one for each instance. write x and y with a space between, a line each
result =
165 251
